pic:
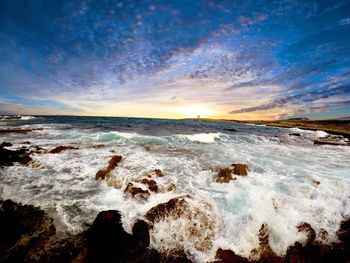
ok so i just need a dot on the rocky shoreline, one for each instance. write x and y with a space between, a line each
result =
29 235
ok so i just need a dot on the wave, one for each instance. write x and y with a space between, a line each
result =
16 117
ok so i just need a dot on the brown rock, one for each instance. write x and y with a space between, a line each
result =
113 162
240 169
158 173
101 174
306 228
98 146
152 185
264 253
136 192
60 149
228 256
225 176
25 160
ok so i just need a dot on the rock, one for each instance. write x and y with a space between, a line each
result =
158 173
315 182
240 169
225 176
101 174
196 225
306 228
152 185
20 131
60 149
331 142
314 251
6 144
107 241
264 253
25 160
230 129
113 162
97 146
228 256
136 192
9 157
295 134
28 235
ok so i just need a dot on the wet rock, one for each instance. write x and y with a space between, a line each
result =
136 192
60 149
315 182
112 164
158 173
230 129
108 242
240 169
331 142
264 253
306 228
295 134
196 226
169 187
101 174
323 234
28 235
6 144
152 185
26 160
228 256
97 146
9 157
225 176
314 251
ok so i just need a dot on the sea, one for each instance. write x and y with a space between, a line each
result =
290 180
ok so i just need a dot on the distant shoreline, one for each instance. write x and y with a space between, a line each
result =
336 127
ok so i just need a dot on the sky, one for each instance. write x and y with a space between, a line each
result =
244 59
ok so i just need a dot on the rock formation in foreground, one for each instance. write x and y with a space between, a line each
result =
29 235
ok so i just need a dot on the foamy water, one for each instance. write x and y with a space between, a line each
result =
279 190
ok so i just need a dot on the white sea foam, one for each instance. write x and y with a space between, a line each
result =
202 137
278 191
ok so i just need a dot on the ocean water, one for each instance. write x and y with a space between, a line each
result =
280 189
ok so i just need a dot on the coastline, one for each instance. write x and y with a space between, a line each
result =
335 127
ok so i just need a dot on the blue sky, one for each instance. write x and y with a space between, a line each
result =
224 59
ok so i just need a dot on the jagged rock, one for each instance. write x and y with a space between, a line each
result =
8 157
196 224
60 149
152 185
136 192
108 242
28 235
225 176
264 253
6 144
240 169
306 228
113 162
158 173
